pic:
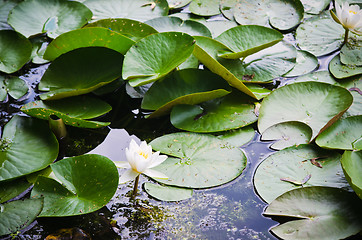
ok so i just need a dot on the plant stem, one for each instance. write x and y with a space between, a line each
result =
346 36
135 188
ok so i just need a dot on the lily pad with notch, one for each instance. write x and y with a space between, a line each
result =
167 193
351 53
340 70
306 63
14 86
352 166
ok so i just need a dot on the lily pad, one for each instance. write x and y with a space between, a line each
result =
287 134
315 6
312 103
219 26
238 137
248 39
12 188
320 76
306 62
320 35
5 7
189 86
200 161
175 24
167 193
88 182
342 134
74 111
205 8
230 112
352 166
296 167
154 56
174 4
322 213
141 10
339 70
280 14
16 215
132 29
87 37
351 54
40 44
27 145
80 71
258 90
55 17
13 86
15 51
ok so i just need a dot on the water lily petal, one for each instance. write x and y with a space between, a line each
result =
141 163
122 164
338 11
155 174
128 176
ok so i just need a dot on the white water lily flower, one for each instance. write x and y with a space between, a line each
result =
140 159
349 16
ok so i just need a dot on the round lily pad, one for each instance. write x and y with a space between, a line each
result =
340 70
141 10
320 35
184 87
87 37
287 134
315 6
5 8
13 86
15 51
154 56
87 183
248 39
12 188
167 193
205 8
312 103
352 166
296 167
230 112
174 4
80 71
342 134
74 111
175 24
132 29
321 213
306 62
320 76
351 53
52 17
238 137
27 145
200 161
16 215
219 26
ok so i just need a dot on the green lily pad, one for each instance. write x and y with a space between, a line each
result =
156 55
40 44
80 71
296 167
132 29
88 182
248 39
87 37
13 86
12 188
191 62
238 137
200 161
74 111
5 8
174 4
184 87
167 193
320 76
15 51
315 6
230 112
321 213
141 10
342 134
175 24
206 50
258 90
219 26
52 17
280 14
320 35
287 134
205 8
27 145
354 85
351 54
339 70
306 62
227 8
352 166
16 215
312 103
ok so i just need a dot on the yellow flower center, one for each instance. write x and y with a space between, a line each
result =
145 155
351 11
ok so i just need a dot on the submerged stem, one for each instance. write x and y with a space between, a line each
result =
346 36
135 187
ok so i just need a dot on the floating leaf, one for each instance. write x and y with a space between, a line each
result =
315 6
184 87
80 71
154 56
167 193
13 86
5 8
352 166
320 76
258 90
322 213
340 70
295 165
26 146
16 215
312 103
87 37
52 17
219 26
15 51
174 4
205 8
238 137
351 54
74 111
201 161
12 188
40 44
306 62
88 182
